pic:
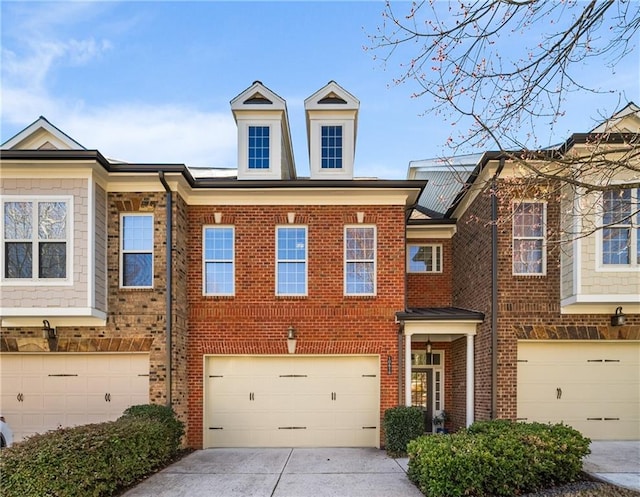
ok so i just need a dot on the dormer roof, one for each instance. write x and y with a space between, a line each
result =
41 135
258 97
626 120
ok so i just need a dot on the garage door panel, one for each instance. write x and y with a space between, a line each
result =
592 386
69 389
297 401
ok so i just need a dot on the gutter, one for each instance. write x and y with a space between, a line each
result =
169 290
494 290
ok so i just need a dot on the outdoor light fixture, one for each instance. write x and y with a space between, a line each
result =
618 319
47 330
428 346
291 340
389 365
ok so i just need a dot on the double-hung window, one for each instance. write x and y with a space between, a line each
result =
360 260
621 227
425 258
291 260
331 147
529 244
36 238
136 250
218 255
259 147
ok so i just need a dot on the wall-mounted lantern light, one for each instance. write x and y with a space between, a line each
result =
428 346
48 331
618 319
291 340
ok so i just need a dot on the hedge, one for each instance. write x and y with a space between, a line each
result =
497 458
401 425
91 460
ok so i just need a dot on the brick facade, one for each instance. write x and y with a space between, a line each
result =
255 320
432 289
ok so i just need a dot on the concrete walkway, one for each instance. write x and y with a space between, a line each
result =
280 473
615 462
333 472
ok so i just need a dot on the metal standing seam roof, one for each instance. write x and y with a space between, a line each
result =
439 314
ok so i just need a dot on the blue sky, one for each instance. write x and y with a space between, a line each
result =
152 81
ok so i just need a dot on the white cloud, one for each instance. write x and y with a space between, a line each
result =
149 133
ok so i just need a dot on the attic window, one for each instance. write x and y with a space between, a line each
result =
257 98
332 98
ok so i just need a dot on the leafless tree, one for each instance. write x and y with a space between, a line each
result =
460 56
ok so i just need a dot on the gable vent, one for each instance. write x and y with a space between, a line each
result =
332 98
257 98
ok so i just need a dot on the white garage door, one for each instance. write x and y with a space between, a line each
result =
42 392
594 387
287 401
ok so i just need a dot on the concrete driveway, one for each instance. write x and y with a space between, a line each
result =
615 462
281 473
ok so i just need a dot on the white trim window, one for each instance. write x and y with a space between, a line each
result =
218 260
331 147
620 234
529 238
36 239
424 258
258 152
359 260
291 260
136 250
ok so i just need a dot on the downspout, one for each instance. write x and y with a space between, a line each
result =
401 376
494 291
169 291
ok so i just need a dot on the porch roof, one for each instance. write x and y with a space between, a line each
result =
439 314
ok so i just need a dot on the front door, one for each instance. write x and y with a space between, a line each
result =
422 395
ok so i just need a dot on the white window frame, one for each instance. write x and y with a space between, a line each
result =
543 268
206 261
374 261
263 126
35 263
122 251
438 261
285 261
326 125
634 235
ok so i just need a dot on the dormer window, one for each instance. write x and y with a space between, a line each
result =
331 147
258 147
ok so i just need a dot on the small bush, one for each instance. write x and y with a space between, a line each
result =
401 425
91 460
163 414
497 458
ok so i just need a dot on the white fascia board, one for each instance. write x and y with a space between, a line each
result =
600 304
57 316
301 196
431 231
441 327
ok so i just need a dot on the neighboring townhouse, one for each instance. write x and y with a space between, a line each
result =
270 321
274 310
560 340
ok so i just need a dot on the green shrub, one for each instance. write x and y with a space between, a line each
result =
91 460
401 425
497 458
163 414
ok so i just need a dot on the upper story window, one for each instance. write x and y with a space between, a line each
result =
291 260
529 247
218 253
258 147
621 227
136 250
360 260
36 238
331 147
425 259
